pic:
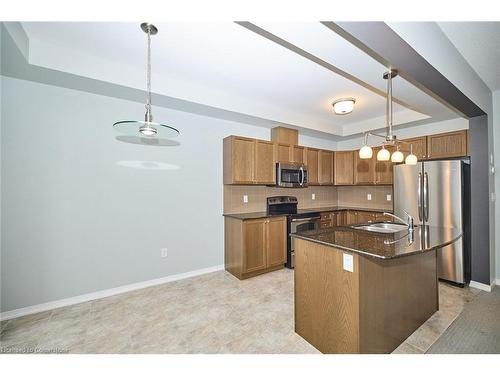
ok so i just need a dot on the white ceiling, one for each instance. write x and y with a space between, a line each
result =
227 66
479 44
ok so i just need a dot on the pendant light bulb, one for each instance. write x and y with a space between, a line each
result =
383 154
412 158
148 130
365 152
397 156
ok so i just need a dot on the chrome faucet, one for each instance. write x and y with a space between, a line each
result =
409 220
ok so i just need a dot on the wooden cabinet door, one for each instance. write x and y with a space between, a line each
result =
383 169
283 153
242 157
365 217
325 167
447 145
298 154
343 168
254 245
379 216
312 161
419 146
264 162
276 241
341 218
364 170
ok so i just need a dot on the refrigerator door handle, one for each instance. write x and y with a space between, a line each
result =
419 196
426 197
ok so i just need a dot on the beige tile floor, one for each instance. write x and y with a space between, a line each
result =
213 313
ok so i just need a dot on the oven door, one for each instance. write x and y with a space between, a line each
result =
299 225
291 175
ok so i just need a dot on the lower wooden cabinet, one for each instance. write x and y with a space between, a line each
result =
252 247
361 217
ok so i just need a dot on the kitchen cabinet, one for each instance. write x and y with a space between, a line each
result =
298 154
276 241
326 220
312 162
364 170
446 145
248 161
325 167
283 153
343 168
383 169
253 247
360 217
340 218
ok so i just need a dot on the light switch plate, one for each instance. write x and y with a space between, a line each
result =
245 199
389 197
313 196
369 196
348 262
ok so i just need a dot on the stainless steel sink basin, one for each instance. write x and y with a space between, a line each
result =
382 227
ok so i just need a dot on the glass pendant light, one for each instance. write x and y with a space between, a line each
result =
147 128
383 154
397 156
366 151
411 159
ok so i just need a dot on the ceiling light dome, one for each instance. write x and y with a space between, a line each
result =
343 106
383 154
397 156
411 160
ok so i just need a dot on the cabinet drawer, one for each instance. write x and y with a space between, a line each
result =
326 216
325 224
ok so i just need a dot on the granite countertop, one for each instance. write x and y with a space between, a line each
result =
425 238
262 214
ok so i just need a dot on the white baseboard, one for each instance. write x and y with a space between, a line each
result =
485 287
104 293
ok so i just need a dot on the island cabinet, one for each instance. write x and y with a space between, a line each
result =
248 161
370 307
253 247
343 168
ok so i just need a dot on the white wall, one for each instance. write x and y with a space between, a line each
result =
75 222
416 131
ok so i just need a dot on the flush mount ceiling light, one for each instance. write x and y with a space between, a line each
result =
343 106
390 139
147 128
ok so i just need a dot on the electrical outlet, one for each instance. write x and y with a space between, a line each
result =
313 196
369 196
389 197
163 253
348 262
245 199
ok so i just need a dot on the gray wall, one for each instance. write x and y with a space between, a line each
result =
74 221
496 129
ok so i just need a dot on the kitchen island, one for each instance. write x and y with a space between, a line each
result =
358 291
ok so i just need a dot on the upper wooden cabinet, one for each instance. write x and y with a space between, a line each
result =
453 144
383 169
283 153
419 146
312 162
364 170
325 167
264 162
248 161
298 154
285 135
343 168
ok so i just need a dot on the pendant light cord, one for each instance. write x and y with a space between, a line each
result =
389 103
148 79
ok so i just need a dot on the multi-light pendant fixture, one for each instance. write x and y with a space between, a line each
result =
366 152
147 128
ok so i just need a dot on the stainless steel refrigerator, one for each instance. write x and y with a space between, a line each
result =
437 193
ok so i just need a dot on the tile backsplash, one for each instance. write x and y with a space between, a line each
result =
355 196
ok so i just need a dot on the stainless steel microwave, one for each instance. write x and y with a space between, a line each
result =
292 175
